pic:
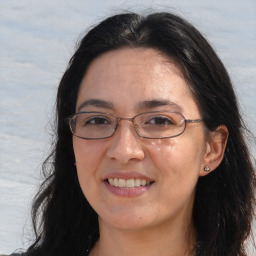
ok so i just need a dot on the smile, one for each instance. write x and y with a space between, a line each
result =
129 183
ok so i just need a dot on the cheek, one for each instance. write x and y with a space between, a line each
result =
178 166
88 156
87 152
178 161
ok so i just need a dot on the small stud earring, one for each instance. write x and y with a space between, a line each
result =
74 163
207 168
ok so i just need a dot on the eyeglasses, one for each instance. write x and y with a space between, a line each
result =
149 125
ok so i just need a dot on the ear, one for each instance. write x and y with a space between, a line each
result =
215 149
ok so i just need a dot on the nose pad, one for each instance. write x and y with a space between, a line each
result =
125 144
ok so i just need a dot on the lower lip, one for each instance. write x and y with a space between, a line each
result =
127 192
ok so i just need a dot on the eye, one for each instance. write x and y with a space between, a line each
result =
161 120
97 120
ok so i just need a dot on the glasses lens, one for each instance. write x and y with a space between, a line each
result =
160 124
93 125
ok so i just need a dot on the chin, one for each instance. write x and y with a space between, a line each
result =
129 219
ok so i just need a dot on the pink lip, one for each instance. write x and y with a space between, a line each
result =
127 192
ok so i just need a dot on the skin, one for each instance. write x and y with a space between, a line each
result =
130 225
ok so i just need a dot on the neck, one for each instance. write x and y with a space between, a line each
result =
165 241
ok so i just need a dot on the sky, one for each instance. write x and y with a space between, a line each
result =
37 39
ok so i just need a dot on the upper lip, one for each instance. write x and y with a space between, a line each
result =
127 175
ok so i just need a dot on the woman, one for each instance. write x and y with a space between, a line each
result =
149 157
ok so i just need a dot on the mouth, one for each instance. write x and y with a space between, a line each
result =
128 183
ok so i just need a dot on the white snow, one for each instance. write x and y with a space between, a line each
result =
36 40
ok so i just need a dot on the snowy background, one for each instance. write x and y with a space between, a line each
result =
36 40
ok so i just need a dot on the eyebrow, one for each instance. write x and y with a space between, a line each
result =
96 103
148 104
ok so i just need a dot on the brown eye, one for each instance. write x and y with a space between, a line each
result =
160 120
97 120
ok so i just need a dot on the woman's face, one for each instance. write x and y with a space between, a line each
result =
127 82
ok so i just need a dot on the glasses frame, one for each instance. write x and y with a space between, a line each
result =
131 119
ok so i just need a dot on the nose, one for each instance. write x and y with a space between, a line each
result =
125 144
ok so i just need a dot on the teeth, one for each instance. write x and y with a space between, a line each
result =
130 183
115 182
137 183
143 182
121 183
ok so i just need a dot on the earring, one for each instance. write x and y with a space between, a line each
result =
74 163
207 168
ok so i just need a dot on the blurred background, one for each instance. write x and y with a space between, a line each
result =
38 37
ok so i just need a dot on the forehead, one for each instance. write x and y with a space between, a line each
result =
146 61
130 76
